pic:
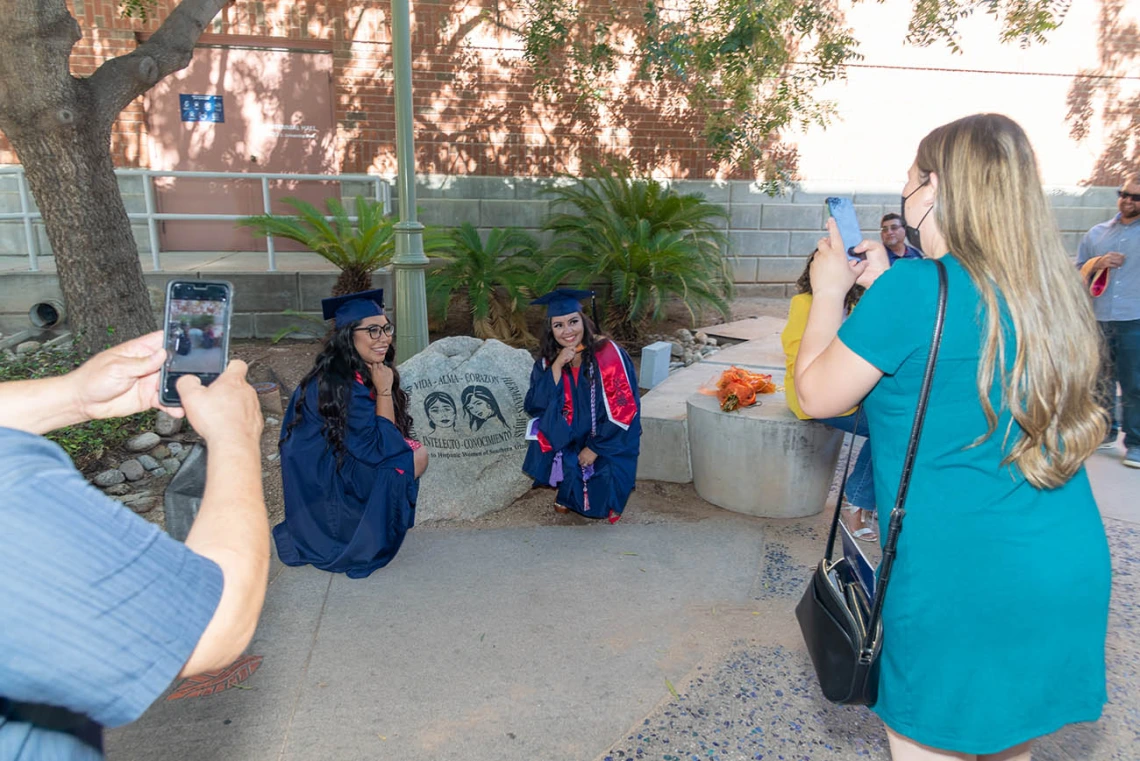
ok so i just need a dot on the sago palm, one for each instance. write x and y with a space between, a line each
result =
640 244
357 248
495 277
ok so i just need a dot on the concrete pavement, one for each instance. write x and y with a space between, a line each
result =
567 643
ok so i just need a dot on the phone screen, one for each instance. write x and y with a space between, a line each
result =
843 211
197 327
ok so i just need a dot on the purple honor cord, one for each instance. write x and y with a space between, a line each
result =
556 472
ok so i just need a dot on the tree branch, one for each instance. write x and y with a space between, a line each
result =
35 45
120 80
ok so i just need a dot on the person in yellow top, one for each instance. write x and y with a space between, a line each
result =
860 492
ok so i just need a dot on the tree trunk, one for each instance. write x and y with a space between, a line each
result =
352 280
60 127
71 176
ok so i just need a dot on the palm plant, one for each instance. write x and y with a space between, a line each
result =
639 244
357 248
494 277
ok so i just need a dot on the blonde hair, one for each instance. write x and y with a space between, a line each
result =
992 211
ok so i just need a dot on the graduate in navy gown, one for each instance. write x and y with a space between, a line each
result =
348 464
583 393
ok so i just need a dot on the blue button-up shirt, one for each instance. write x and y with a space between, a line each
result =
99 609
910 253
1120 302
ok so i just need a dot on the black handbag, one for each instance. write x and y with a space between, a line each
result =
843 630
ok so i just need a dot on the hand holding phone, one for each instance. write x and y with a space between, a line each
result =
843 212
226 412
122 380
196 324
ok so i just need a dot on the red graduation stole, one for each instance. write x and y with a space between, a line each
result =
617 391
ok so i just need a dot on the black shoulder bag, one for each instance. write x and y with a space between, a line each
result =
843 633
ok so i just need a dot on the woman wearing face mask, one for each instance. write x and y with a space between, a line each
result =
583 393
989 640
349 467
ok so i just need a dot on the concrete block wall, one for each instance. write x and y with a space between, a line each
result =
261 299
769 237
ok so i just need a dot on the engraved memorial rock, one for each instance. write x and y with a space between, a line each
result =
466 397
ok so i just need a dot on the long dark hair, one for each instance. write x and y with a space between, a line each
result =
483 393
804 285
334 371
548 346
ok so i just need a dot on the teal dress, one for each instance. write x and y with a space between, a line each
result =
997 610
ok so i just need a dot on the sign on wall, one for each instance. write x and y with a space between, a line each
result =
202 108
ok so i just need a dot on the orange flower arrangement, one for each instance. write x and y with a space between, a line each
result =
738 388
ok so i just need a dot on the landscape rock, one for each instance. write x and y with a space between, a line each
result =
28 347
161 452
133 470
711 341
701 337
676 350
14 340
167 425
109 478
272 421
182 454
685 335
148 462
174 447
143 442
473 426
160 471
140 503
273 457
171 465
117 490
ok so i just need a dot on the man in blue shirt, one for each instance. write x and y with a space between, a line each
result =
1115 246
101 610
893 233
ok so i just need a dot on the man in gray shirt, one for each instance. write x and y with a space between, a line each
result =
1115 246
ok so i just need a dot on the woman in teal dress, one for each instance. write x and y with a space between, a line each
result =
997 610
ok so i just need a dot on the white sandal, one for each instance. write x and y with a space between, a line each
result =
863 533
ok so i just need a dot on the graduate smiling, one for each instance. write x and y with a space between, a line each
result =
583 394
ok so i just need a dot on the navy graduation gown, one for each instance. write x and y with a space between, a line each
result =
617 448
350 520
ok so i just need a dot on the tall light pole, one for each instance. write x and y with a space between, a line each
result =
409 262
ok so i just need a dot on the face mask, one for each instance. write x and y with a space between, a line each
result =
913 237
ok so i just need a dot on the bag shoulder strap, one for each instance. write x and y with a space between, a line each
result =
912 447
894 528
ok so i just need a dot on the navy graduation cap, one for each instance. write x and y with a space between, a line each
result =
353 306
562 301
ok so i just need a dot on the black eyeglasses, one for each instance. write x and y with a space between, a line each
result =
1133 197
375 331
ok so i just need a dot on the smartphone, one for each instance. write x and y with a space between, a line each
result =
197 327
843 212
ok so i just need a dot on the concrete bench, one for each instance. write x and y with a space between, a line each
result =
760 460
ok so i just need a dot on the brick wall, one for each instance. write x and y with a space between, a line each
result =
476 112
473 100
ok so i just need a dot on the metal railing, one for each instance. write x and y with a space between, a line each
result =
381 192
